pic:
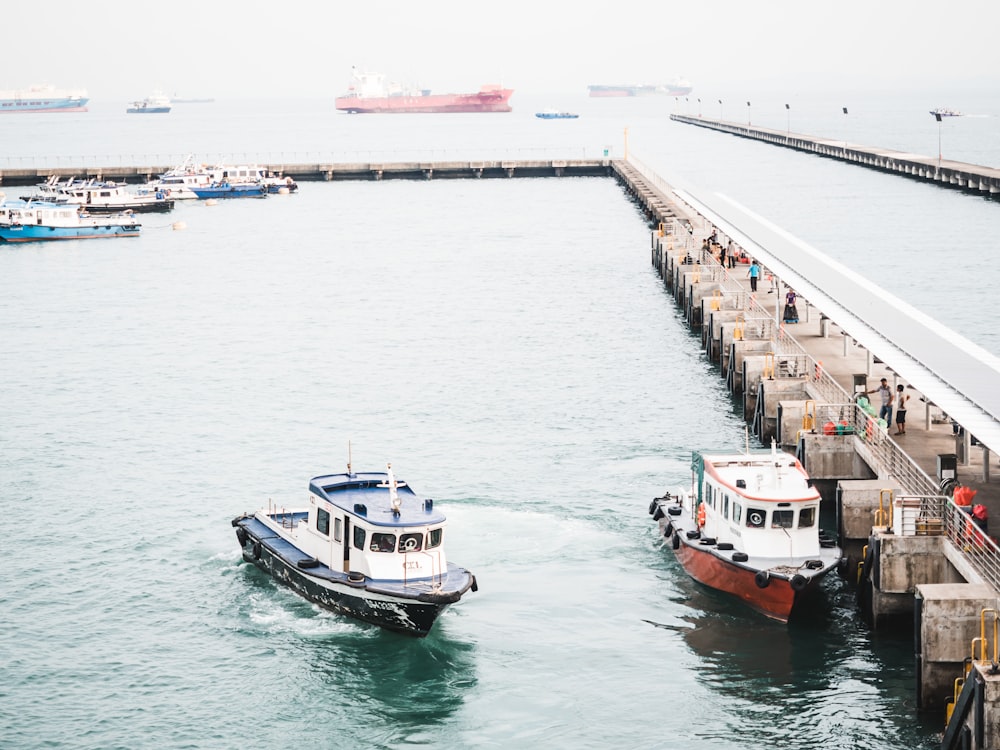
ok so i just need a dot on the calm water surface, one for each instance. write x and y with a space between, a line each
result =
507 347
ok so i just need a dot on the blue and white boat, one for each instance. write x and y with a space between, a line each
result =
179 182
552 114
365 546
43 99
226 189
30 221
156 103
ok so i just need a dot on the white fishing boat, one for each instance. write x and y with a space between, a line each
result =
100 197
184 181
156 103
365 545
749 526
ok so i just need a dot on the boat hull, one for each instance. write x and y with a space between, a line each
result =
147 110
495 100
354 595
231 191
35 233
43 105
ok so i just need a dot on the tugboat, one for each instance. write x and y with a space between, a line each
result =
365 546
749 527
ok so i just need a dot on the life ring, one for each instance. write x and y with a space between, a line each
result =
762 579
799 582
701 514
410 544
256 550
241 536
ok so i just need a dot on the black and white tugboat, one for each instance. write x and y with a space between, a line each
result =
366 546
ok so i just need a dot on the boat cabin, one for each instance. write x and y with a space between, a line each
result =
371 523
762 503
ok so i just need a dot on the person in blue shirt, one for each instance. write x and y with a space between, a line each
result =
754 274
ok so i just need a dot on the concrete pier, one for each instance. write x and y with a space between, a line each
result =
972 178
327 172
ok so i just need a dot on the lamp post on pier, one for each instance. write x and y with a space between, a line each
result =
788 120
845 129
720 109
937 116
748 114
699 108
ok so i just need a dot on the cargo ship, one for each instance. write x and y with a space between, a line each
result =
677 88
370 92
43 99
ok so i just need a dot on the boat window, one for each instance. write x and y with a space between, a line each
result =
807 517
737 512
725 506
782 519
338 529
434 538
411 542
383 543
322 522
756 517
359 537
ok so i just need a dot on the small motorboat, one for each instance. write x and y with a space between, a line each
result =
552 114
30 221
226 189
365 546
749 526
945 112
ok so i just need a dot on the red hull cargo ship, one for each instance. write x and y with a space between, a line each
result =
370 92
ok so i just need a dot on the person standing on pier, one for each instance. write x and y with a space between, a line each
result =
901 398
886 395
754 274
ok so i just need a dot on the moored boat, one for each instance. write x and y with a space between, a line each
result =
946 112
179 183
749 526
43 99
226 189
29 221
372 93
100 197
156 103
365 546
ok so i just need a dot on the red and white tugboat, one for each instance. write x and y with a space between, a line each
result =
750 527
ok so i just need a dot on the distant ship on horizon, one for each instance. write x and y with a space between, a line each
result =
372 93
679 87
43 99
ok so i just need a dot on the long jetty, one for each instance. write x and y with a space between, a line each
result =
945 172
331 172
920 563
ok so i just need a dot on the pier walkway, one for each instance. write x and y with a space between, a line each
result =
945 172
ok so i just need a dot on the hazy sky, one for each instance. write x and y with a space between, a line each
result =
123 49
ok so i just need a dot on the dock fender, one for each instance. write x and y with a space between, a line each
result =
475 584
241 536
675 542
256 550
653 505
668 529
799 582
762 579
309 562
740 557
658 513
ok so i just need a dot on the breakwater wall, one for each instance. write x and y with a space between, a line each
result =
328 172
